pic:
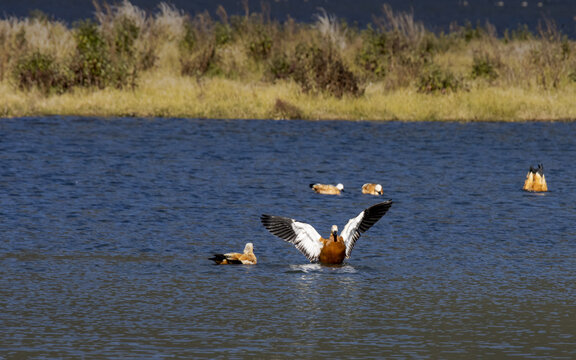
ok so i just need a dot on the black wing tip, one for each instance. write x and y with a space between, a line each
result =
383 206
269 219
266 216
217 257
373 214
278 226
539 169
274 217
220 258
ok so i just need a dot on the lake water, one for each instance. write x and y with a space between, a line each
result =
437 15
106 228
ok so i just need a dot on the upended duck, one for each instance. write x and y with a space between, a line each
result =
316 248
535 180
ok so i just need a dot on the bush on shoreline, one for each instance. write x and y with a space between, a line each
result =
328 57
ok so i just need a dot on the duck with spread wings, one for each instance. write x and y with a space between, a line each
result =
316 248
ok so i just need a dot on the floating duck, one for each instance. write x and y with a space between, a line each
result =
372 189
327 251
327 189
535 180
247 258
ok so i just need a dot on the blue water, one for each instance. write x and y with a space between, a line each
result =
107 225
437 15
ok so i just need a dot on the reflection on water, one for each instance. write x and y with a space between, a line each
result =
306 268
315 267
107 227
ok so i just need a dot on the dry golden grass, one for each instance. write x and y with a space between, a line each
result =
175 96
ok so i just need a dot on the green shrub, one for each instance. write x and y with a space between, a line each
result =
469 32
374 56
199 47
42 72
223 34
435 79
126 60
202 62
552 58
188 41
397 49
521 33
100 64
279 67
485 66
92 65
320 70
126 32
260 45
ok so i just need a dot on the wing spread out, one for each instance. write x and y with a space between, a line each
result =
302 235
363 222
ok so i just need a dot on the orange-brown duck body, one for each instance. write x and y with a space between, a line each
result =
372 189
535 180
334 249
327 189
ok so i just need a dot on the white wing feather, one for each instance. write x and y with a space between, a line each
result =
302 235
307 240
350 233
363 222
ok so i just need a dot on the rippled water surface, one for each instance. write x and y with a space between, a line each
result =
106 226
437 15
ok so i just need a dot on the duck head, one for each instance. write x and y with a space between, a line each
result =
334 232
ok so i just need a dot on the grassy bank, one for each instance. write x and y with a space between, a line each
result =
170 64
223 98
